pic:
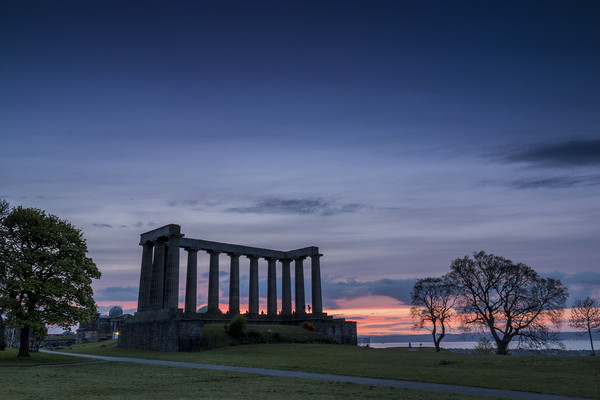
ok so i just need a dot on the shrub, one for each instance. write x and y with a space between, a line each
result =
275 337
308 326
484 346
237 326
254 336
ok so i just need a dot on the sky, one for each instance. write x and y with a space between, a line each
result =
394 135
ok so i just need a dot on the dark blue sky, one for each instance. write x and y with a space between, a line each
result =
395 136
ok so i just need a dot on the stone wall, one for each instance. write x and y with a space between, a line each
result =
182 333
340 330
87 336
163 335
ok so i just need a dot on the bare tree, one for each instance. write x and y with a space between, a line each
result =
508 299
585 315
434 299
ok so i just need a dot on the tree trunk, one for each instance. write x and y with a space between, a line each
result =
2 337
501 348
24 342
591 342
435 341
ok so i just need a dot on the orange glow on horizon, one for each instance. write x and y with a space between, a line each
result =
374 315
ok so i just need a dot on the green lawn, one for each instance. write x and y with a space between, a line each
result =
564 375
39 378
8 358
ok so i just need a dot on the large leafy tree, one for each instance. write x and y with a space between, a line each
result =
585 315
434 299
508 299
45 274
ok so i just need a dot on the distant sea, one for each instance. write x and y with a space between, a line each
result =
569 344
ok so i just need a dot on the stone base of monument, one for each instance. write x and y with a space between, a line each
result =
172 330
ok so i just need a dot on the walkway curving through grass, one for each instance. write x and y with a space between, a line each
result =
463 390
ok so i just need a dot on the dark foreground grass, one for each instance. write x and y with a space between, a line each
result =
113 380
563 375
9 357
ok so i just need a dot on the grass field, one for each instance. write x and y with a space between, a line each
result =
39 378
571 376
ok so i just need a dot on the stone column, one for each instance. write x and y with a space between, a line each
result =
234 284
213 283
315 272
158 275
144 299
191 281
299 284
172 274
253 296
272 287
286 288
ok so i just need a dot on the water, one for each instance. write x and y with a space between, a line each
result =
569 344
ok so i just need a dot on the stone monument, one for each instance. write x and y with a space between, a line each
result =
159 323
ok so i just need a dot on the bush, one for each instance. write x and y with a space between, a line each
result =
308 326
484 346
237 326
254 336
275 337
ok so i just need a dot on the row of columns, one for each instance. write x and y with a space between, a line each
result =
159 280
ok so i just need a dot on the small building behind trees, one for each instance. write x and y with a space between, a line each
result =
102 326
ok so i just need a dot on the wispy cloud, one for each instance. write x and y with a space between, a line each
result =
117 293
183 203
390 325
298 206
137 225
572 153
558 182
102 225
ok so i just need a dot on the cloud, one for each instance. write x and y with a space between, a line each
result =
298 206
183 203
398 289
136 225
354 317
102 225
391 325
580 284
573 153
117 293
555 182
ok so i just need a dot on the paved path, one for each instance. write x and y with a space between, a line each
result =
467 390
